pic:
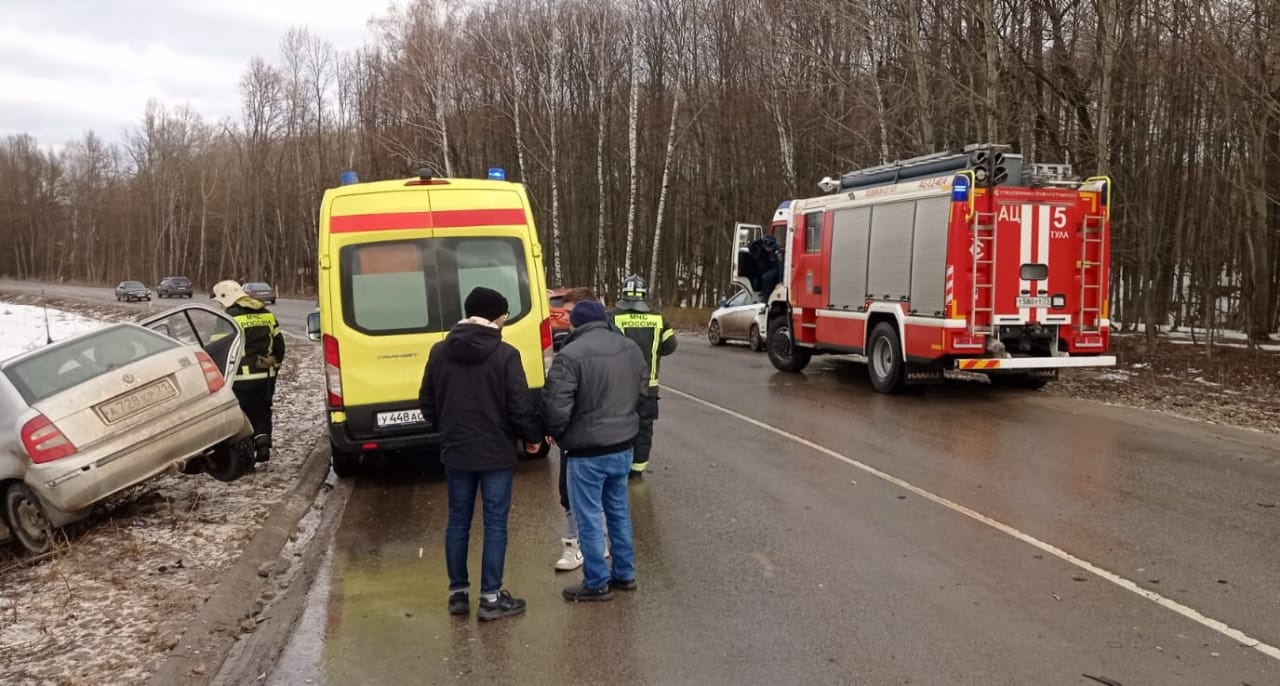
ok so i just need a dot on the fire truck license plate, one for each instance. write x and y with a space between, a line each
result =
1035 302
398 418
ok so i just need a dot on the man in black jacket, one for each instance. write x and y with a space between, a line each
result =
475 392
590 407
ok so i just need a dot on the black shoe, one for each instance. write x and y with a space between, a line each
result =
620 585
504 606
583 592
459 603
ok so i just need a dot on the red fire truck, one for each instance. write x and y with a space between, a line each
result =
966 260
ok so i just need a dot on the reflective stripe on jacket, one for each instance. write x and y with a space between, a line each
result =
262 339
650 331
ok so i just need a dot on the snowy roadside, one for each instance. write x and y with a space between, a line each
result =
23 327
124 583
1229 385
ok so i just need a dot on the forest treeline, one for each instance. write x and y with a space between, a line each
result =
645 128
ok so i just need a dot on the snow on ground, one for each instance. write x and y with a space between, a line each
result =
124 583
22 327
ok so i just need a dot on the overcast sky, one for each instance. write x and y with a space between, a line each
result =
67 66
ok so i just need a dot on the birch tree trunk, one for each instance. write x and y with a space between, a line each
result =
912 34
633 117
553 105
662 195
992 50
600 275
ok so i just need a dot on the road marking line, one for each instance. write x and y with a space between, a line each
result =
1167 603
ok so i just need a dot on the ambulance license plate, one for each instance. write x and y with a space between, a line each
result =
399 418
1025 301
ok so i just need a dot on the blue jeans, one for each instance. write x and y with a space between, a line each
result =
595 483
495 490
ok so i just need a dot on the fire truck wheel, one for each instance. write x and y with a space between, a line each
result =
713 333
885 365
783 353
756 340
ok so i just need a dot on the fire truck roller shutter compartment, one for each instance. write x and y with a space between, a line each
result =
929 256
849 236
889 263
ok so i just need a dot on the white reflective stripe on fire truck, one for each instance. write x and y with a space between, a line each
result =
933 322
1024 257
988 363
1042 256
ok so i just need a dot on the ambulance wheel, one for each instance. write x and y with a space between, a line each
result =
756 340
1022 381
713 333
345 464
784 354
885 365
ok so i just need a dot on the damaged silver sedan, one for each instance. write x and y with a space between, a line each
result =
85 418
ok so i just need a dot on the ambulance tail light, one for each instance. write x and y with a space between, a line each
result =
333 372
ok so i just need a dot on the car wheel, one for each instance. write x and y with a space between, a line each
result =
784 354
27 519
345 464
713 333
230 461
756 340
885 365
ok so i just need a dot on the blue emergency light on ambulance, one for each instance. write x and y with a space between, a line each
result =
497 174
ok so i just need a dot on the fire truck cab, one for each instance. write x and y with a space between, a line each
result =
966 260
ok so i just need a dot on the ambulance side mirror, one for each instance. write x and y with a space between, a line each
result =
313 326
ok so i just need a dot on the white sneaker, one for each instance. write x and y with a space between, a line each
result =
571 557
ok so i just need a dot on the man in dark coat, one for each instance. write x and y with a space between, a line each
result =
475 392
590 406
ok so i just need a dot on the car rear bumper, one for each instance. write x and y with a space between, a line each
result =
75 483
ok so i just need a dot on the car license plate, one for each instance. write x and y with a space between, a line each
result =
399 418
131 403
1034 302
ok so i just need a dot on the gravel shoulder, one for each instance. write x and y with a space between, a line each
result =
120 588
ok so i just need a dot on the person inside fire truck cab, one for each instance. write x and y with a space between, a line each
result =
637 321
770 265
255 381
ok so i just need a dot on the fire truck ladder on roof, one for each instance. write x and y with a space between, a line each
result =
1090 265
983 274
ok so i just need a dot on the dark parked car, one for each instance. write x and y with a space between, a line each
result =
260 290
174 287
132 290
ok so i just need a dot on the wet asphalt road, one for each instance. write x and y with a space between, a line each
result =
292 314
765 560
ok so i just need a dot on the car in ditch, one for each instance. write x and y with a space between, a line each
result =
85 418
129 291
738 318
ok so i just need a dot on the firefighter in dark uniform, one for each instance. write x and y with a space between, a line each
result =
649 330
255 381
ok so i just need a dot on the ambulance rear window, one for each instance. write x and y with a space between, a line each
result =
418 286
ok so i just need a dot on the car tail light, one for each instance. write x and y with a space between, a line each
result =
546 333
333 372
212 375
44 441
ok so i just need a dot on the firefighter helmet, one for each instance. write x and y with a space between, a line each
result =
634 288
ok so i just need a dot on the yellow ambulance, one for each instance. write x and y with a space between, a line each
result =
396 260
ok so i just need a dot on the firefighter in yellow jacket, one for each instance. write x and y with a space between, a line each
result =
634 318
255 381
